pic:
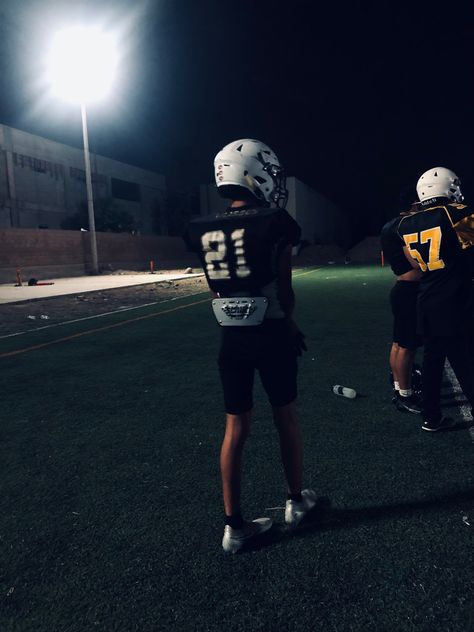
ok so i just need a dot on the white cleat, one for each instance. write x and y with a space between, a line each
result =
295 511
235 539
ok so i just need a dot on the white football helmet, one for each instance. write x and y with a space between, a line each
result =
250 164
438 182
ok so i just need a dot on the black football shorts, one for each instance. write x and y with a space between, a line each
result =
266 348
403 299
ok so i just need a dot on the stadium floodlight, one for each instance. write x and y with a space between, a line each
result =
82 63
81 67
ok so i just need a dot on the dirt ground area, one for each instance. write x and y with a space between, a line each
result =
30 315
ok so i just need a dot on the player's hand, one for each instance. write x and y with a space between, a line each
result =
299 343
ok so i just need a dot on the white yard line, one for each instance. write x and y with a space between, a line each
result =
117 311
464 409
127 309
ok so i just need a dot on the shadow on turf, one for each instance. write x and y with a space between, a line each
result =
342 518
460 425
315 518
454 403
324 517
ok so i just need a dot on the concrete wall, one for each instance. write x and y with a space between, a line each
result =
366 251
59 253
210 201
43 182
321 221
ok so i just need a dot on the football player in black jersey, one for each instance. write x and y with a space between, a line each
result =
403 299
437 238
246 256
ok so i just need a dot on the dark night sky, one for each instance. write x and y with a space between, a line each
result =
356 98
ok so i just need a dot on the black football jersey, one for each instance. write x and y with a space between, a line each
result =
238 249
437 237
392 247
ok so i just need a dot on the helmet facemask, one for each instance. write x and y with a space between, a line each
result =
455 192
279 195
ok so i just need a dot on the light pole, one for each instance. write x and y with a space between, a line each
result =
90 194
81 68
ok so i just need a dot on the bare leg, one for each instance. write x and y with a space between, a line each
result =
291 445
403 367
393 360
236 432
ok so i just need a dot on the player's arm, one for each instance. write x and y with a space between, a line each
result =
413 262
290 236
286 295
393 248
462 219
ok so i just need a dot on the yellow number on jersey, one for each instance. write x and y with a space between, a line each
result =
433 236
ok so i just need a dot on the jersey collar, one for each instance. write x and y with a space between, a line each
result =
240 211
441 200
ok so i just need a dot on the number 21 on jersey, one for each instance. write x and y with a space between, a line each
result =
216 254
433 236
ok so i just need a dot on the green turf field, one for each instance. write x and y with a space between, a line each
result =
110 505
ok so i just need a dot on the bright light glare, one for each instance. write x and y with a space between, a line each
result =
81 64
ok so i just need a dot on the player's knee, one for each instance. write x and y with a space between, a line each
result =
407 352
238 427
285 416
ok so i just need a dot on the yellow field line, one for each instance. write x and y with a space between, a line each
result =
104 328
9 354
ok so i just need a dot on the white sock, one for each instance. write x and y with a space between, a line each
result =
396 386
406 392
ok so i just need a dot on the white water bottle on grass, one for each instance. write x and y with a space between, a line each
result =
344 391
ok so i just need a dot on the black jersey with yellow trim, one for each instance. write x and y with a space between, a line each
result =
437 236
392 246
238 249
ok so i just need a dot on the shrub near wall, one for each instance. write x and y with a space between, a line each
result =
60 253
